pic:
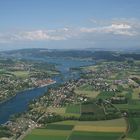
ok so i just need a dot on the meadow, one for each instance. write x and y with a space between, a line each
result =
46 134
73 108
79 135
134 130
21 74
75 130
91 94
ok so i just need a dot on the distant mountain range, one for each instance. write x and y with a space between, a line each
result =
94 54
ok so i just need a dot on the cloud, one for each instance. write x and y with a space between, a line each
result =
38 35
115 27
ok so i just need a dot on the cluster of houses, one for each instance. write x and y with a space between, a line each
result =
10 84
19 126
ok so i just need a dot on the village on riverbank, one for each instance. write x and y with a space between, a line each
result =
103 102
19 75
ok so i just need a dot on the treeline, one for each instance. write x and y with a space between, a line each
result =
90 117
4 132
56 118
84 117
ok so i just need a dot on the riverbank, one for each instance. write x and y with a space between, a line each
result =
26 89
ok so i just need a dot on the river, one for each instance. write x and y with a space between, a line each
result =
19 103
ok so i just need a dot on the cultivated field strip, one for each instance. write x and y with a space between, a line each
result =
99 128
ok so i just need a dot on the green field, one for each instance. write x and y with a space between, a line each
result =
47 134
128 106
74 109
68 122
134 130
135 94
66 130
88 93
87 90
92 109
58 110
85 87
80 135
43 137
59 127
108 123
21 74
105 95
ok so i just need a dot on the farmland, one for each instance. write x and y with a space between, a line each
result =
92 108
21 74
134 130
56 110
46 134
78 135
60 127
105 95
74 130
74 108
87 91
135 94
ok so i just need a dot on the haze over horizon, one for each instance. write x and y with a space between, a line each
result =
69 24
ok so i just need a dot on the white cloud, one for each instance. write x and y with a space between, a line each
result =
115 27
38 35
118 29
120 26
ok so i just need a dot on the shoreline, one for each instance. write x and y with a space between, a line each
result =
47 84
20 92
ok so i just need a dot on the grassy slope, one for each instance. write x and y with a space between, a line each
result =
134 132
74 108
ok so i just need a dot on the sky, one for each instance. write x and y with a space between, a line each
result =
69 24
